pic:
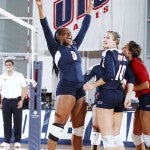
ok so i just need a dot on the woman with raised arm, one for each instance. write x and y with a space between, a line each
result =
70 94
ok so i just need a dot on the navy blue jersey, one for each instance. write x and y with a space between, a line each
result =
116 68
94 71
67 59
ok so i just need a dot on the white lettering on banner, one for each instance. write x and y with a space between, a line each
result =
47 118
123 127
129 138
25 124
43 134
50 122
87 121
103 18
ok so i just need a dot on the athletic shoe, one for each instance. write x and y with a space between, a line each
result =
17 145
4 144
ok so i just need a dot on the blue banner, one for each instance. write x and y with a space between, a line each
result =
47 118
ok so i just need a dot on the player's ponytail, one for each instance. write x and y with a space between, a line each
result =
56 36
55 69
116 37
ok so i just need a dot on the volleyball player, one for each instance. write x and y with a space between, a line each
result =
70 93
141 125
94 71
112 99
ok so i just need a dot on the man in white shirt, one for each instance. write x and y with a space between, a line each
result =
13 90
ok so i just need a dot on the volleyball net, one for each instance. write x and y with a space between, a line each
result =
17 42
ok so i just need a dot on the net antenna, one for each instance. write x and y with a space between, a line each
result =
26 25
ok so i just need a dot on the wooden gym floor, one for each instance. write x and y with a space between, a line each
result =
59 147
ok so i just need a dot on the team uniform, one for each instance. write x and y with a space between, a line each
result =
116 68
94 71
68 60
141 75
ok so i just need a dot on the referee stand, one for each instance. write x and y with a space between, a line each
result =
35 109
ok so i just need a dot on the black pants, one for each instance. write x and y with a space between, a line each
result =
9 109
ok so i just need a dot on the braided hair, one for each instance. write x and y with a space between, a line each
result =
55 68
57 33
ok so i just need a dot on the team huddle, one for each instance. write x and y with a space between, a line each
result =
112 94
119 73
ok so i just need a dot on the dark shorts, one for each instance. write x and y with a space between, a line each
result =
144 102
111 99
70 88
96 95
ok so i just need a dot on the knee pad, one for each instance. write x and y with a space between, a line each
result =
108 141
146 139
95 138
118 140
78 131
56 131
137 139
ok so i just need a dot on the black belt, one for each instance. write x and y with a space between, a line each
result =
13 98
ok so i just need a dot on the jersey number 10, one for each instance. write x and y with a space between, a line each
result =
121 72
